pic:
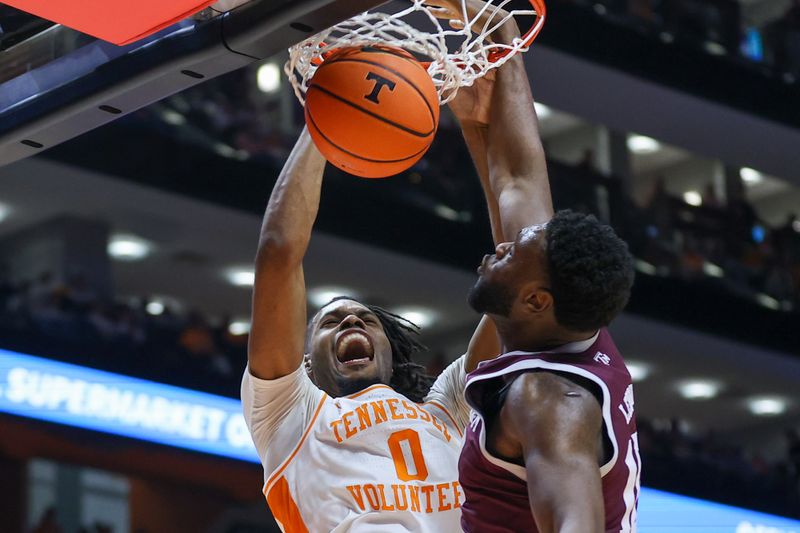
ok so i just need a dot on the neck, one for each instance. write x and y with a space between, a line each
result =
516 337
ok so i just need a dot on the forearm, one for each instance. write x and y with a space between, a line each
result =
294 203
484 344
516 160
275 347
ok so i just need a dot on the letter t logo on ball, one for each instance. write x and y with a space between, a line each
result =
380 83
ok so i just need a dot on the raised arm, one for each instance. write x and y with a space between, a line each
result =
279 295
556 426
516 160
501 130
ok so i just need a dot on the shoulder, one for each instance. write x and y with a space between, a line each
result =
541 401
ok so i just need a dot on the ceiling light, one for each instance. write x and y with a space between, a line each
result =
768 301
224 150
645 267
638 370
698 389
241 277
767 405
173 117
715 271
4 211
542 111
154 308
640 144
447 213
751 176
320 296
128 248
693 198
239 327
268 77
158 304
418 315
715 48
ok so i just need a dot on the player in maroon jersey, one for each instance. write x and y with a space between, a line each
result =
552 443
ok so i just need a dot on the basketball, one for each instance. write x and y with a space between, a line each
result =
372 110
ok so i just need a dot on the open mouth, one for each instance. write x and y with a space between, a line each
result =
354 348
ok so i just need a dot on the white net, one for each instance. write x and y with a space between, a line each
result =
455 55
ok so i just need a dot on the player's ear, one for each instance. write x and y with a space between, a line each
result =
307 365
537 299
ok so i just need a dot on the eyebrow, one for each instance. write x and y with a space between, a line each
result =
361 313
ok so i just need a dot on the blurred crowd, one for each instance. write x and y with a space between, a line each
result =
676 459
726 244
766 34
65 319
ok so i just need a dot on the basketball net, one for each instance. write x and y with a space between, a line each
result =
455 57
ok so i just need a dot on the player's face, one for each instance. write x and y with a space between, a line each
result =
348 349
515 268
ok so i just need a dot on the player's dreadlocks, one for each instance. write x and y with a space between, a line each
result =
408 378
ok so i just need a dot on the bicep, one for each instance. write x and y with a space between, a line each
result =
559 436
277 336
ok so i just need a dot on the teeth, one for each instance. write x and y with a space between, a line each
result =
350 338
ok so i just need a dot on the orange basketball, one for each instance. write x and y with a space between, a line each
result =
372 110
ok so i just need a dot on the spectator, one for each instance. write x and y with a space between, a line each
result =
787 239
793 452
48 523
81 296
197 340
787 37
710 198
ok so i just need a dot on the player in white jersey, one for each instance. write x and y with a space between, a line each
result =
357 439
346 441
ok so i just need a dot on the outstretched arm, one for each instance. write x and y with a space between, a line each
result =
279 296
517 166
501 130
556 426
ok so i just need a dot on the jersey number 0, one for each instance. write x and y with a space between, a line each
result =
407 454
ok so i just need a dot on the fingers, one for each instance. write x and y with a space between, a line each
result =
480 15
442 10
456 24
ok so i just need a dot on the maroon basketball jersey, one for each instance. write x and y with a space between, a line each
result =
496 491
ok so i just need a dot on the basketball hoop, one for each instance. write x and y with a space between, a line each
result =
455 57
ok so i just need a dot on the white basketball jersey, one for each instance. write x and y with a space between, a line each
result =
370 462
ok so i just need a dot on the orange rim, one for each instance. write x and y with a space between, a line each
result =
530 36
494 55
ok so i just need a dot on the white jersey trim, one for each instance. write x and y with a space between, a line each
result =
513 468
538 364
